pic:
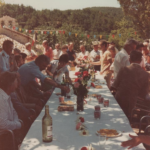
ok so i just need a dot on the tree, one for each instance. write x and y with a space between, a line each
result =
139 11
124 31
2 2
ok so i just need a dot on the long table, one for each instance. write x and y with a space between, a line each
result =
65 135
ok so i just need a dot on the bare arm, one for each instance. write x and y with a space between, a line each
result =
136 140
52 82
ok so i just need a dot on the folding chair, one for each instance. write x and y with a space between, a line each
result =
140 109
147 132
12 137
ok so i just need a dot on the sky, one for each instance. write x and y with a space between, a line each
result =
65 4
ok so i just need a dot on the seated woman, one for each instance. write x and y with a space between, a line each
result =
59 68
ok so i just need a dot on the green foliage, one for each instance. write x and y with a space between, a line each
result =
125 28
139 11
91 20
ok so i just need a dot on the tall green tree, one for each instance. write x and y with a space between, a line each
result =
124 30
139 11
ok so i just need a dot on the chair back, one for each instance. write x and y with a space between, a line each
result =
147 132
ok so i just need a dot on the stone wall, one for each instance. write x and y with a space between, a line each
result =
22 38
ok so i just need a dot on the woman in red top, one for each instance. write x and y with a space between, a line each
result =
47 50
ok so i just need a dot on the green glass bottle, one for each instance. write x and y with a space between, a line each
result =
47 126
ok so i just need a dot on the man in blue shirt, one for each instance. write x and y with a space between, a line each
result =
32 70
7 61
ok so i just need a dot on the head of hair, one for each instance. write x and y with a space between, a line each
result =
23 55
147 40
139 45
45 42
41 59
6 44
27 44
111 48
64 47
82 45
6 79
130 42
17 50
103 42
136 56
17 57
70 43
113 43
64 58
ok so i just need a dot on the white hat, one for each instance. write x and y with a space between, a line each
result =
95 43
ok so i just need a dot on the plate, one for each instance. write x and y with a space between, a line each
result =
67 104
112 136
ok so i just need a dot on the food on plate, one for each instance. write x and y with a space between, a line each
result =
84 132
58 94
65 108
98 87
94 95
108 132
67 103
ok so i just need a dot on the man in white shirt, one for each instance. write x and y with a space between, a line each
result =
122 57
56 51
7 61
31 54
82 53
95 54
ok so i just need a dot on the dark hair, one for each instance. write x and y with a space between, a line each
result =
17 50
147 40
103 42
135 56
17 57
64 58
23 55
64 47
6 79
112 43
42 58
7 43
140 45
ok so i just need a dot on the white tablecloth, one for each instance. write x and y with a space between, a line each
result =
66 137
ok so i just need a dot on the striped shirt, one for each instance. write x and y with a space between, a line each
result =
8 116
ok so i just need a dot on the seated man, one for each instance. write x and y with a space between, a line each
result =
31 54
131 82
8 116
56 51
63 50
82 54
32 70
59 68
136 140
7 60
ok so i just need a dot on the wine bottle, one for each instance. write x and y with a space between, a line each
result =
63 93
47 126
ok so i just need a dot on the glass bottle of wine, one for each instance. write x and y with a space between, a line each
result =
47 126
63 93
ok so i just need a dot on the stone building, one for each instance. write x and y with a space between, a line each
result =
8 21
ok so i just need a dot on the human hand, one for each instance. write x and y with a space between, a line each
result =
47 93
101 73
136 140
97 57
